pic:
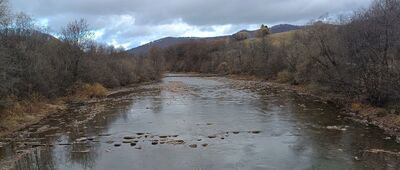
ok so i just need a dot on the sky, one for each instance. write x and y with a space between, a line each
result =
130 23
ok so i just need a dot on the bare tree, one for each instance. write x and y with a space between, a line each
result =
77 33
4 13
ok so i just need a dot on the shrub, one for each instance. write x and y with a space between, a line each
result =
284 77
94 90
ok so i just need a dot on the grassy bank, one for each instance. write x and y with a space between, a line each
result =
25 112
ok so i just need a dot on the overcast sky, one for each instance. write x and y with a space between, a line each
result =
130 23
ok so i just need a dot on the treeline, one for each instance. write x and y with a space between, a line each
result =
34 63
358 57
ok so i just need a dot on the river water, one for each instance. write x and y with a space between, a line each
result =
201 123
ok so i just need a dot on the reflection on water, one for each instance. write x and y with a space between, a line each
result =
239 130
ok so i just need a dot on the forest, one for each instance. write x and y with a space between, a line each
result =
37 65
357 56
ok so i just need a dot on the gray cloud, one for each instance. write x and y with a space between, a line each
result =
123 20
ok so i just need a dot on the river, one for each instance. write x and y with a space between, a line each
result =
187 122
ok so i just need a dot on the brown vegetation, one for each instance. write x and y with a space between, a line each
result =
356 58
34 63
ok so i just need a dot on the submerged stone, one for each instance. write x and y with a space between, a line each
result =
212 136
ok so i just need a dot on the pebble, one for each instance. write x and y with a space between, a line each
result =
129 137
104 134
204 145
82 139
176 142
193 145
212 136
235 132
139 147
154 142
117 145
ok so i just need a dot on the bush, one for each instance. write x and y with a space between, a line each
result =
94 90
285 77
80 90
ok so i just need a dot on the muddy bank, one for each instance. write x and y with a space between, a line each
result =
363 114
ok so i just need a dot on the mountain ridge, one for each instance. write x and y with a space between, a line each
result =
171 41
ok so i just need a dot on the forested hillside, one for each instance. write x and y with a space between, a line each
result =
357 57
36 65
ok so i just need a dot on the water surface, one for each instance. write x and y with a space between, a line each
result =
272 130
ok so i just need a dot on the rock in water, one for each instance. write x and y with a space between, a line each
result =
129 137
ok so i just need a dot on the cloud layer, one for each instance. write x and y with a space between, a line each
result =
133 22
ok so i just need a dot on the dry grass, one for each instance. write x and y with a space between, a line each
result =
284 77
281 38
23 113
85 91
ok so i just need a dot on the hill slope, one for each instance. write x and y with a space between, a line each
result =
171 41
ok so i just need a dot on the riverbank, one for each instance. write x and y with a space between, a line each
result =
25 113
356 111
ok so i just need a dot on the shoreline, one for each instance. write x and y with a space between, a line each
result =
356 112
58 107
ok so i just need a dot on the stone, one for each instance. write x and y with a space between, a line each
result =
139 133
154 142
236 132
193 145
212 136
82 139
163 136
256 132
104 134
117 145
129 137
204 145
91 138
176 142
133 144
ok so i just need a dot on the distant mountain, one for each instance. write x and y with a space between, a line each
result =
171 41
161 43
285 28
